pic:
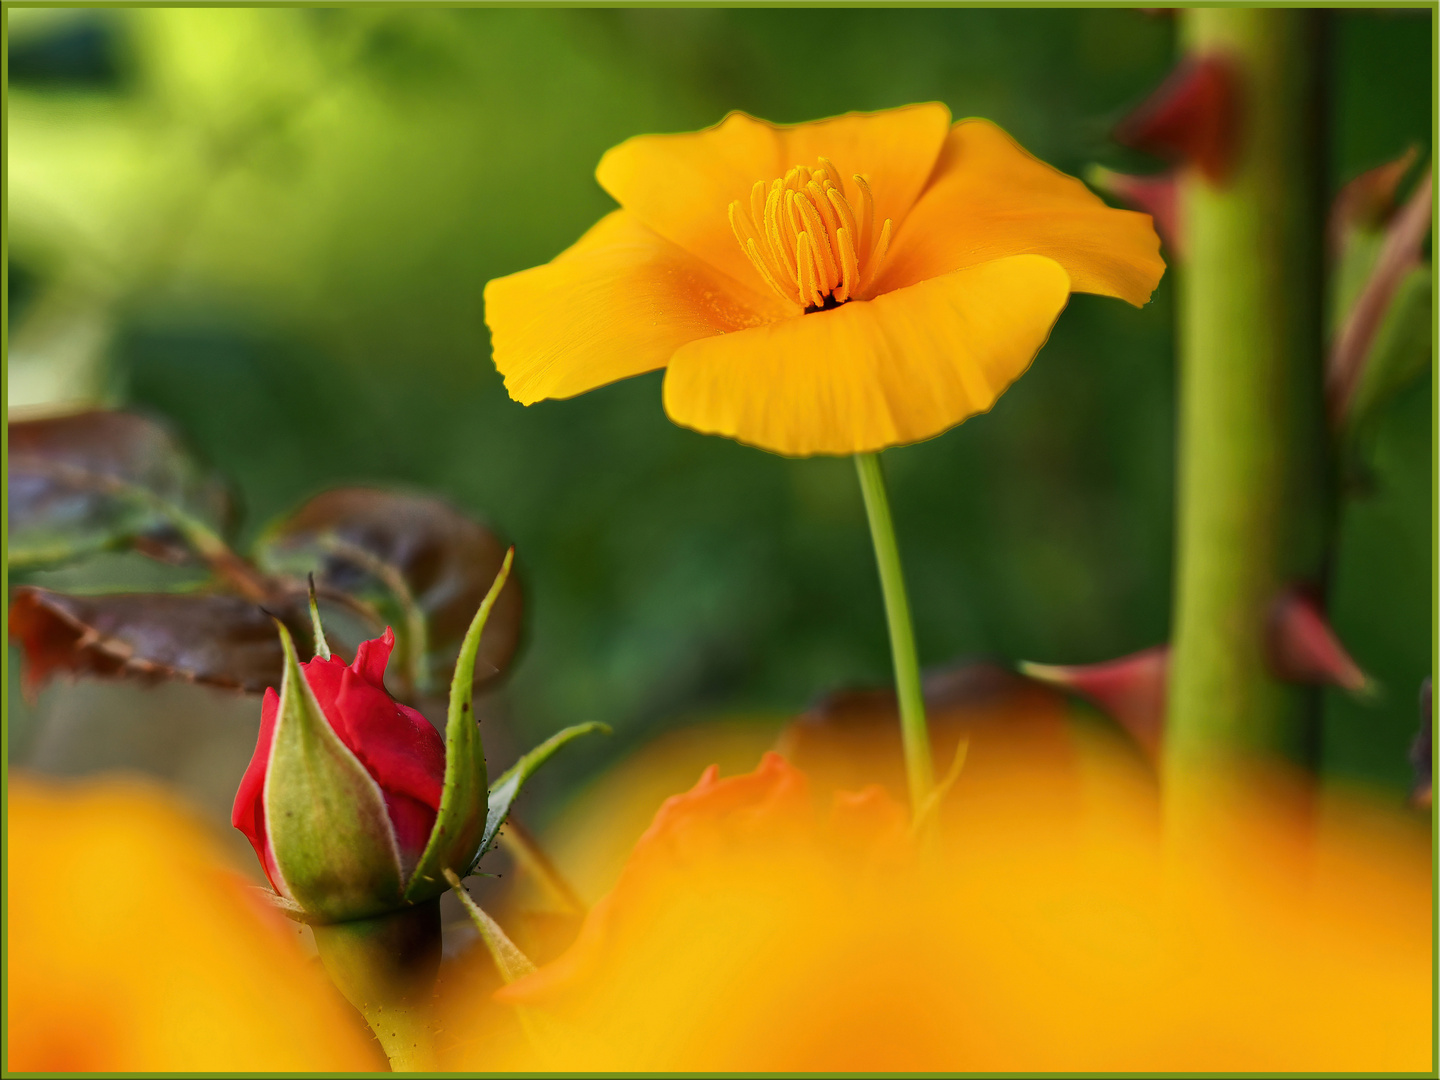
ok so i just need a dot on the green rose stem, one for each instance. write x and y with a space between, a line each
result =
386 967
1252 497
914 735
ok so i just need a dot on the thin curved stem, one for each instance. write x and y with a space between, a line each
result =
914 735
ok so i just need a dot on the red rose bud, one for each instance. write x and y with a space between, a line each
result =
1367 203
341 796
1131 690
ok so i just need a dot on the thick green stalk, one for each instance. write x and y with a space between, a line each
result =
1252 480
914 735
386 967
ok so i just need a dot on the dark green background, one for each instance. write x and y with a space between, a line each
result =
300 292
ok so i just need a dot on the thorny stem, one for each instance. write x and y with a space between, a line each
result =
404 1033
1252 500
914 735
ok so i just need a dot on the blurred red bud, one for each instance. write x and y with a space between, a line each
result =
1191 118
1130 689
1401 251
1304 649
1368 201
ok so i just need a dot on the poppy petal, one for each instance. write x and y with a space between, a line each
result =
989 198
870 374
618 303
682 185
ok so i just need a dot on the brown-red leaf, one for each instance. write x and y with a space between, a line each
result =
219 640
418 560
98 479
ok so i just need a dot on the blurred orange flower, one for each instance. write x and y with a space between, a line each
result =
755 929
928 261
132 947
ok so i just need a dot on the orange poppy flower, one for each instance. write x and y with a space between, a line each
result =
833 287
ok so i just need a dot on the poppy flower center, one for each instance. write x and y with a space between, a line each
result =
804 237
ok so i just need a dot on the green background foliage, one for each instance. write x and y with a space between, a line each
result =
274 227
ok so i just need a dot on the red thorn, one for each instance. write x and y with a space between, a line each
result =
1131 689
1304 649
1155 195
1191 118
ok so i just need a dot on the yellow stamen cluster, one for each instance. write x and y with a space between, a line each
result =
805 239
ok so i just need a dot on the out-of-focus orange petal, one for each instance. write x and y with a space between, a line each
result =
869 374
989 198
133 947
1042 935
692 832
617 303
682 185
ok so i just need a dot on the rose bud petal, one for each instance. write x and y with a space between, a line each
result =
340 811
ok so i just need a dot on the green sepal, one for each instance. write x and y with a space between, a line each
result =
325 815
460 822
503 793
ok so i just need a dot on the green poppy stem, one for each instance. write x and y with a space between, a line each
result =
914 735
